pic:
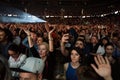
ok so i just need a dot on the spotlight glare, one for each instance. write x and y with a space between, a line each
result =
9 14
116 12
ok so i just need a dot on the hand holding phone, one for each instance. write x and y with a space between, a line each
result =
65 38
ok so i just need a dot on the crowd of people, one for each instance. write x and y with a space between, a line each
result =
44 51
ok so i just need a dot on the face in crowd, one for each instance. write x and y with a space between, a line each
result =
43 50
75 56
39 41
29 76
109 50
33 36
79 44
94 40
13 54
2 36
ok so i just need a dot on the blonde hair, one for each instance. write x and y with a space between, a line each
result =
46 44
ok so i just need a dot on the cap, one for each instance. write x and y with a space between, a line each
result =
33 65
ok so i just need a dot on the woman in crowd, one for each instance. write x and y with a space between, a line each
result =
70 67
46 53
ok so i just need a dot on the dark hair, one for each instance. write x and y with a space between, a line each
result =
86 73
8 34
105 38
5 73
14 47
82 37
94 36
79 51
109 44
81 40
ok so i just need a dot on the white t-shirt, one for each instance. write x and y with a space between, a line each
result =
17 63
100 50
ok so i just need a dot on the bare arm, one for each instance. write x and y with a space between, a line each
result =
62 44
47 26
51 40
29 38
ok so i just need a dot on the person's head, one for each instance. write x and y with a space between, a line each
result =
94 39
39 40
68 27
16 32
79 43
43 49
3 35
109 48
45 34
31 69
86 73
5 73
13 50
115 39
76 54
82 32
33 35
105 40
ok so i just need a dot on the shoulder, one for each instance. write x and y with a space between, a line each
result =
22 56
66 66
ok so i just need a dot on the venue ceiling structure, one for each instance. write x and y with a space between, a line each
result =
65 7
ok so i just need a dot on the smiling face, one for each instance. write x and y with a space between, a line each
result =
75 57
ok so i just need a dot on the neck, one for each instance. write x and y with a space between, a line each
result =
44 58
75 64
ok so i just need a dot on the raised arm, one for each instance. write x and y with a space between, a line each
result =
103 68
30 42
47 26
64 40
51 39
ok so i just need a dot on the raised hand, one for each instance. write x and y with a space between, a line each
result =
27 32
65 38
103 68
47 26
52 30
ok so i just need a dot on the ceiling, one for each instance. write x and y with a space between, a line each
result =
65 7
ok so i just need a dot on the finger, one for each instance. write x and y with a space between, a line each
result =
102 59
99 59
96 61
94 67
66 35
107 61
